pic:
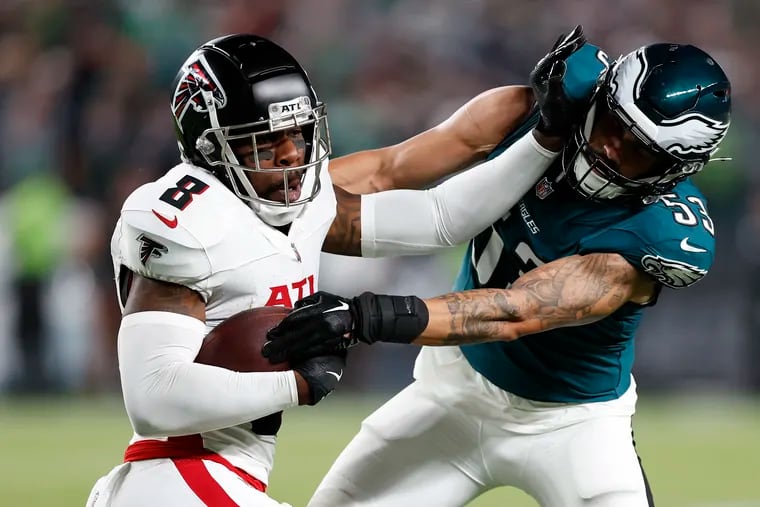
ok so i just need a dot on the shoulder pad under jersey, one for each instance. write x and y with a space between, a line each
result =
167 227
672 240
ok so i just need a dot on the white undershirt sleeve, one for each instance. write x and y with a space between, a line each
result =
167 394
402 222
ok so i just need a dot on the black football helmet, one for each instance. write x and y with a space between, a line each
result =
675 99
235 89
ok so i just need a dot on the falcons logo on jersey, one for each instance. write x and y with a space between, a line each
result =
197 78
674 274
150 248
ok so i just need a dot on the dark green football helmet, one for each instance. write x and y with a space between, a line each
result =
673 98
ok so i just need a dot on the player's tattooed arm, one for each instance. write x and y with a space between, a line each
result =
572 291
148 295
344 236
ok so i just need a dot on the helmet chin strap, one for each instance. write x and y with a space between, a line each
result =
277 216
593 184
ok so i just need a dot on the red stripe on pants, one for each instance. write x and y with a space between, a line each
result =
205 487
186 453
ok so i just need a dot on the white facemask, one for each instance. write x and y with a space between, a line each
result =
592 183
278 216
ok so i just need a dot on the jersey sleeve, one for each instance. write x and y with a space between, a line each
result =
146 245
672 240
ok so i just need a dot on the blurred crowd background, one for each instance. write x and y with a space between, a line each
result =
84 119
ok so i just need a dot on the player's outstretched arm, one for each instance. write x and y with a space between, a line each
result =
571 291
404 222
468 135
401 222
464 138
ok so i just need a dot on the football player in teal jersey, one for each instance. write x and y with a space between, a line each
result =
525 378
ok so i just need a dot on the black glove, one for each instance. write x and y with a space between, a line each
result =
557 112
322 373
324 323
319 324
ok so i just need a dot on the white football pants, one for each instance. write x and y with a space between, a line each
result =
159 483
452 435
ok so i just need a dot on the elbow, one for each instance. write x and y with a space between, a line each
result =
145 427
147 415
153 407
508 332
392 171
514 323
519 326
380 182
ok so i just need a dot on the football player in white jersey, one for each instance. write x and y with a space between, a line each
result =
239 223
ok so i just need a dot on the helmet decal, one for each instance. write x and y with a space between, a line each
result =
628 74
692 133
196 79
290 113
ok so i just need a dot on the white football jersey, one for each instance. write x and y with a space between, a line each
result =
188 228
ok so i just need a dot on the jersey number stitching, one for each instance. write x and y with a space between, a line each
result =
682 214
522 257
182 194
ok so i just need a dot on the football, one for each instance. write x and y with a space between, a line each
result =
235 343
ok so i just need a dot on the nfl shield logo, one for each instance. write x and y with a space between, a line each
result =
543 188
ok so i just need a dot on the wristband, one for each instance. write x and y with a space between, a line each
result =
395 319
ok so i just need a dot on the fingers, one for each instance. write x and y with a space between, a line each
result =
268 351
563 48
574 37
570 44
556 75
304 354
308 300
558 42
306 315
275 349
281 340
576 33
292 321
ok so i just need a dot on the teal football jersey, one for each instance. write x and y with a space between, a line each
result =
671 239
